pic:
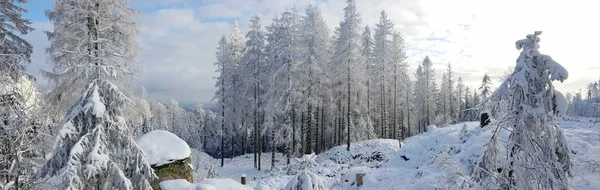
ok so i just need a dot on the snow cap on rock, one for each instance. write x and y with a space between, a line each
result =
163 147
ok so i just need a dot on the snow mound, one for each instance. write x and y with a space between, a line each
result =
370 152
561 103
208 184
163 147
443 158
202 164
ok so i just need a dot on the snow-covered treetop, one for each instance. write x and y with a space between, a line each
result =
530 49
163 147
307 160
525 69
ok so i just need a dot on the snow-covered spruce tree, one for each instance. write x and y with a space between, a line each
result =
452 98
95 42
282 92
304 179
314 55
222 85
367 53
460 104
236 47
424 91
254 62
400 81
538 153
382 60
85 29
485 86
17 128
347 55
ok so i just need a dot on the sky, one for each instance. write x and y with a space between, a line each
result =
179 37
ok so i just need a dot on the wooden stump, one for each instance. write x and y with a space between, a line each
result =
243 180
484 120
359 179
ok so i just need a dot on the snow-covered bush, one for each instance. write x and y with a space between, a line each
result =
305 180
464 133
305 162
208 184
538 154
454 178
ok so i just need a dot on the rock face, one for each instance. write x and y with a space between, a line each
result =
168 155
179 169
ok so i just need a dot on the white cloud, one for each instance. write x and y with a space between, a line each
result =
475 36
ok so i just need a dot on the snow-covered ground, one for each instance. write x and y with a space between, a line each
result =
442 158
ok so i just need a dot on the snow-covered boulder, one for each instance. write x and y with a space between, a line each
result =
168 155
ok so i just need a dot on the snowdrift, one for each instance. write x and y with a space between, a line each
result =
442 158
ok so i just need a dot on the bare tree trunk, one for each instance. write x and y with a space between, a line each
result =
233 133
408 125
293 151
308 145
223 117
302 133
322 128
273 147
348 112
260 140
394 117
317 127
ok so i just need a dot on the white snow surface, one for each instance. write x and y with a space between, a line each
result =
442 158
561 103
163 147
207 184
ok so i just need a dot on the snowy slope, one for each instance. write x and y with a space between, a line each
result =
442 158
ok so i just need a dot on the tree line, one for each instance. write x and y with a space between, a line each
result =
292 87
295 87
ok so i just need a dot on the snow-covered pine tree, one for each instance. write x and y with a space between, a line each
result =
314 55
452 98
382 59
282 91
425 90
222 86
419 99
80 28
254 60
304 179
237 48
460 104
95 42
348 56
15 50
367 53
400 79
485 86
159 116
17 130
468 104
442 102
538 153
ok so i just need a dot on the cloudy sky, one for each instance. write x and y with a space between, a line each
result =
179 37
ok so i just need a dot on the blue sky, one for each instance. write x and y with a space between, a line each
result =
179 37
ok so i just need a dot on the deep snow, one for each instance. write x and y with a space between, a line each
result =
442 158
163 147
